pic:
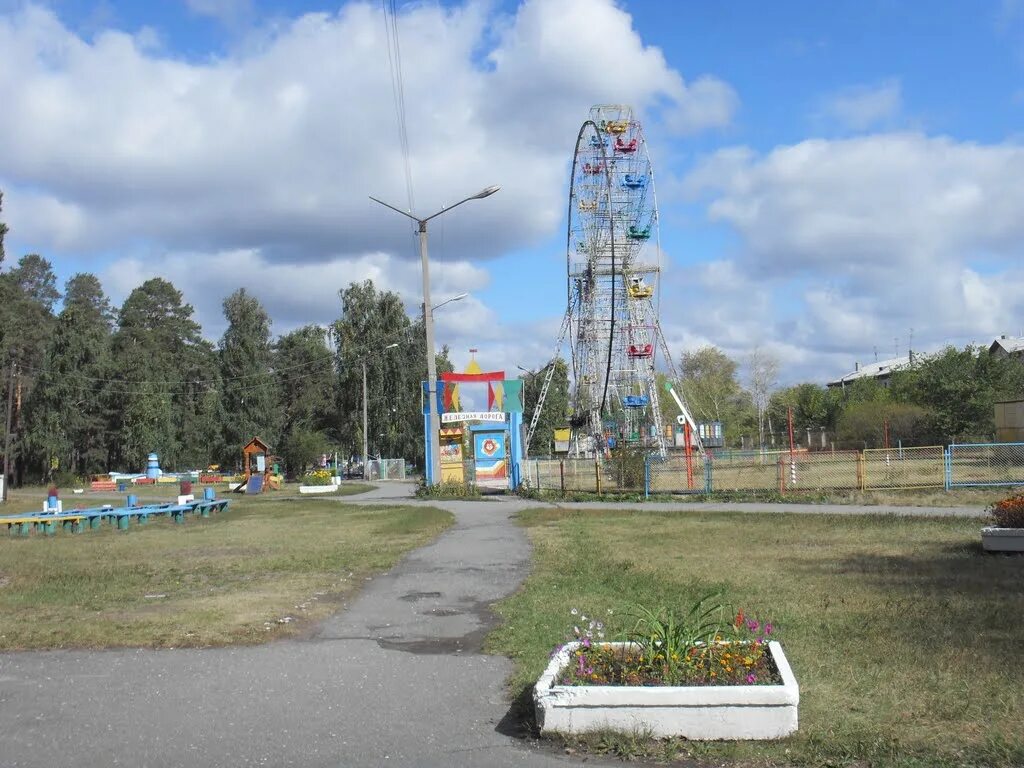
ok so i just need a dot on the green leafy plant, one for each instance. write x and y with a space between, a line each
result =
702 646
661 634
449 489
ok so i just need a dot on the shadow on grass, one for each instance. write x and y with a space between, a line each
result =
960 569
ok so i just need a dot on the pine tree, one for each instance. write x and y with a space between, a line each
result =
249 398
68 414
156 347
304 370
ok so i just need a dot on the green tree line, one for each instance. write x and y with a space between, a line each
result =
948 396
96 388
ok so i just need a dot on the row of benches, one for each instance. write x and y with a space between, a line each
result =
81 519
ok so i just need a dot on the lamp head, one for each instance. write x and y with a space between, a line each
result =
485 193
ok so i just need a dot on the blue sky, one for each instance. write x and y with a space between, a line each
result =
830 174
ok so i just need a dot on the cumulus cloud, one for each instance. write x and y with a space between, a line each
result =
869 237
253 167
296 294
278 147
866 106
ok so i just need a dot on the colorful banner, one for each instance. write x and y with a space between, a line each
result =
474 377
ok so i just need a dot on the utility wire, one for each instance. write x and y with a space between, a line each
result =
398 91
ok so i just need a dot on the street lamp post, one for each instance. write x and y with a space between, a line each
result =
366 453
434 475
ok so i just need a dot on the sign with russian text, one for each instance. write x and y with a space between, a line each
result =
448 418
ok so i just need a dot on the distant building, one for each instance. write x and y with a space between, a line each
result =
1007 346
881 371
1010 421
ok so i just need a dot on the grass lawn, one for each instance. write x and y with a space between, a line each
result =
906 640
223 580
921 497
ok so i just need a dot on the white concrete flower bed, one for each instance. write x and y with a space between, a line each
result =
995 539
693 712
318 488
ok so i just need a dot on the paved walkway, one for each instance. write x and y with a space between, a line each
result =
395 679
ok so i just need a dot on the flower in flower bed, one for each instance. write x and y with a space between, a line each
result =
702 647
1009 513
317 477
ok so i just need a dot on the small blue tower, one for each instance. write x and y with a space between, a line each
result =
153 466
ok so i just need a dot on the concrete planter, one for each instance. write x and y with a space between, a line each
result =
1002 539
318 488
693 712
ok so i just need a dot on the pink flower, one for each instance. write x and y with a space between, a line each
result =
753 625
768 628
751 678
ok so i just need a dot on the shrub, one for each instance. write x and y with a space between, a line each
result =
1009 513
449 489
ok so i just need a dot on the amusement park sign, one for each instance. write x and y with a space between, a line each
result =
448 418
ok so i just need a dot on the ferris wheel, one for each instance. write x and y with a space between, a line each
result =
612 273
612 259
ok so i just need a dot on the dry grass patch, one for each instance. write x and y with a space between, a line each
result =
217 581
903 635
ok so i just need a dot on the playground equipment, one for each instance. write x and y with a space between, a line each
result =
80 520
613 266
258 470
153 470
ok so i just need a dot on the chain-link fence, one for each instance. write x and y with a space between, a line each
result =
995 464
563 474
985 464
745 470
903 468
827 470
385 469
678 474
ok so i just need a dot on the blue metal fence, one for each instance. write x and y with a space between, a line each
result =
984 465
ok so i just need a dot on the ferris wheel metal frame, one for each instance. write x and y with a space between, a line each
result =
612 295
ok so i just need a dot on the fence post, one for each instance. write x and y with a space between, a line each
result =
536 471
708 474
947 458
647 477
782 475
561 474
597 474
861 471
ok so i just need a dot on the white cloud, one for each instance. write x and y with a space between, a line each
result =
294 294
866 106
253 168
277 147
854 242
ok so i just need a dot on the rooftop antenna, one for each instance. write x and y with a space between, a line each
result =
910 344
876 352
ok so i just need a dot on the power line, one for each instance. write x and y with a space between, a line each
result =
398 91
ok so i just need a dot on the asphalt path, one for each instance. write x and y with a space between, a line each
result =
397 678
